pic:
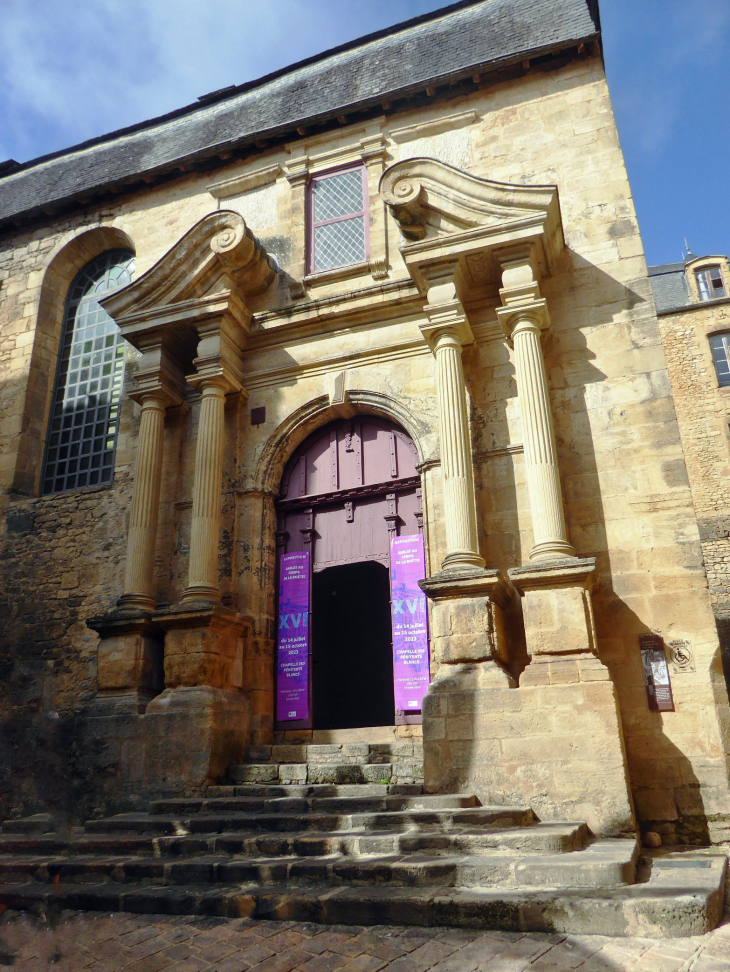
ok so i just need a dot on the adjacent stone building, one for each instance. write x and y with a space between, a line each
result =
395 291
693 309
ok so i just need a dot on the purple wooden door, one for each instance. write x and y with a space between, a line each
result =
347 491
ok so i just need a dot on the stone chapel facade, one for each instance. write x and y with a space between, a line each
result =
313 315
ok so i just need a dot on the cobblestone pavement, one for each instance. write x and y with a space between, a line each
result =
151 943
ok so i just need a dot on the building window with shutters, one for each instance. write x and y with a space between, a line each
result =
338 220
720 346
710 283
82 432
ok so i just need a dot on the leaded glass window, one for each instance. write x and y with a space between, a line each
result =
82 432
338 235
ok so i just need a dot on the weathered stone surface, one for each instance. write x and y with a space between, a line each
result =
73 711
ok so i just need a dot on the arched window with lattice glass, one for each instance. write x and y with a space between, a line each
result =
82 431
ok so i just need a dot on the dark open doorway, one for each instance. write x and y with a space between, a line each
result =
352 654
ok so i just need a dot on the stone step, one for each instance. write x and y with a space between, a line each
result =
300 773
540 838
315 790
354 753
294 804
202 823
38 823
606 863
674 902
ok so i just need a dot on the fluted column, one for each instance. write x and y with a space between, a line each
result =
541 459
523 318
145 504
446 332
207 493
456 466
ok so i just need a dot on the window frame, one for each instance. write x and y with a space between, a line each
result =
703 273
724 337
72 306
312 225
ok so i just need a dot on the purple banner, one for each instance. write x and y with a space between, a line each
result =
292 657
410 622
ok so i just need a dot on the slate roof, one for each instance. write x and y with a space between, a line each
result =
452 43
669 286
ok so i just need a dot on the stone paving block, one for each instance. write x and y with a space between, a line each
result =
325 962
364 963
234 963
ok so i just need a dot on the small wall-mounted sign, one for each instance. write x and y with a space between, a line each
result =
656 673
681 656
258 415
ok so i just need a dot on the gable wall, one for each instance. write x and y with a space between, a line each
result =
626 493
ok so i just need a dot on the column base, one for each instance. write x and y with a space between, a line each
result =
136 602
462 560
201 592
552 550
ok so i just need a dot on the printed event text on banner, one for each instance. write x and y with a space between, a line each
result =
410 622
292 685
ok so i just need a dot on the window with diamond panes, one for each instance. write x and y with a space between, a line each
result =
338 220
82 433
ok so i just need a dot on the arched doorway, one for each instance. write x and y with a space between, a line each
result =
347 493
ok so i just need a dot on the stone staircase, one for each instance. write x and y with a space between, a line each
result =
392 763
344 834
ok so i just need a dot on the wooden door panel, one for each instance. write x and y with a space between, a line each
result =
341 541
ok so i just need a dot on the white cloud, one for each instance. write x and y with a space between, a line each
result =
70 71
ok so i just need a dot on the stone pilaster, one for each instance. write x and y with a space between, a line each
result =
297 175
523 317
446 332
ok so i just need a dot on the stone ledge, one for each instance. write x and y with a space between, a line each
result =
570 572
476 582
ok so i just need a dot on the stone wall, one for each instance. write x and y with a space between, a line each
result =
627 498
703 412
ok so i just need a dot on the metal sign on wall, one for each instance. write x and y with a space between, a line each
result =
656 673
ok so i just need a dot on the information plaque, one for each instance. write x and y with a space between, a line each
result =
410 622
292 644
656 673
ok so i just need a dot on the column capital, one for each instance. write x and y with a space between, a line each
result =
526 315
156 390
446 323
447 320
211 380
219 359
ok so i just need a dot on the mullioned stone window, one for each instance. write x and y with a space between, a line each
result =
84 419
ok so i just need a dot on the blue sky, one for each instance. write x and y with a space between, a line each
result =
73 70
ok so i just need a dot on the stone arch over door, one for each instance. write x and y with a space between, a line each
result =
346 492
